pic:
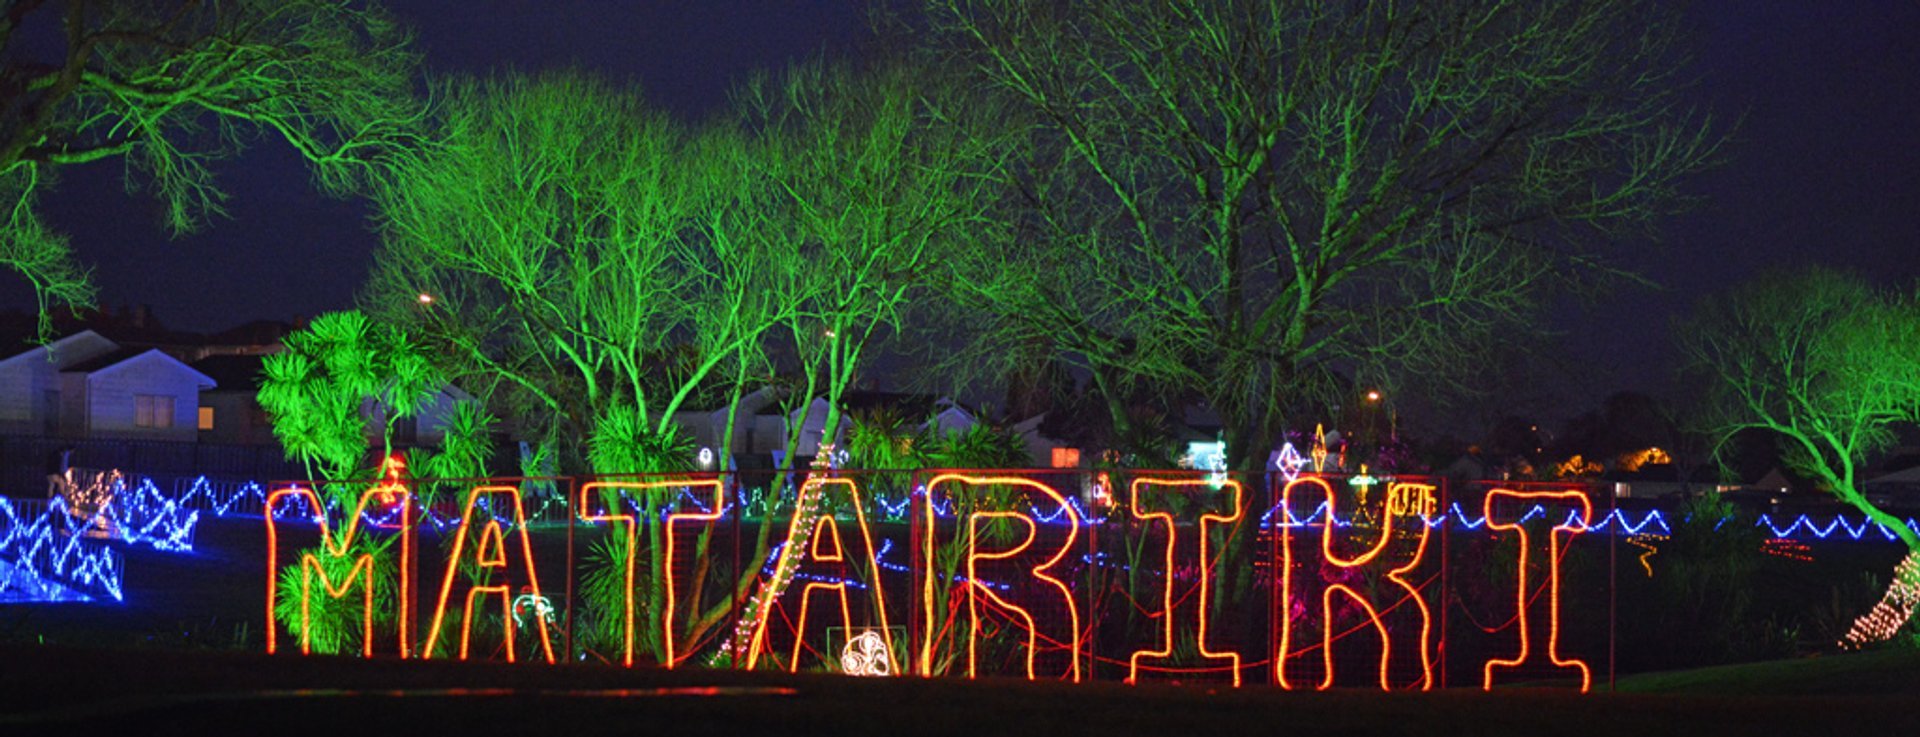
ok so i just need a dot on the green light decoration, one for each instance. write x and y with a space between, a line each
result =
1251 202
1828 365
170 88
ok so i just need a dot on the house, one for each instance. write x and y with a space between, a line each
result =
86 386
1898 490
1664 480
30 385
231 412
425 427
761 427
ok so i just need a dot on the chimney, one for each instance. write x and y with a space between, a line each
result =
141 314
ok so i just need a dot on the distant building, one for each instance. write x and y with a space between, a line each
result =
231 412
84 386
425 427
31 400
761 427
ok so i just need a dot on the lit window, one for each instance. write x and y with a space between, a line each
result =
153 410
206 418
1066 457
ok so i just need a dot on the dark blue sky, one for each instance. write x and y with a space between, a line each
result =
1825 168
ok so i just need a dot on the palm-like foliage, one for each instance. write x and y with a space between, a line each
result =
314 392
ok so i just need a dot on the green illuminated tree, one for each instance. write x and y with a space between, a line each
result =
872 178
1827 364
170 87
1261 201
590 268
878 177
573 255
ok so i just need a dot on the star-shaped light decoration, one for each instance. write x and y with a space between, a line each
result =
1289 461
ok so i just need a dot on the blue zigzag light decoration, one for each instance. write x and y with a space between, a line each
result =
133 509
44 560
248 497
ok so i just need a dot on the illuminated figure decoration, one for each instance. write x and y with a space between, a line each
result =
814 538
529 605
1289 462
389 494
1395 552
1209 456
490 555
867 654
1066 638
1319 451
1575 523
1892 611
1362 488
1646 542
1789 549
715 502
1100 494
1231 497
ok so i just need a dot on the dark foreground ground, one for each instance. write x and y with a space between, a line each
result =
57 690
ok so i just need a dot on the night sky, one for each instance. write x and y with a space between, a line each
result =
1825 167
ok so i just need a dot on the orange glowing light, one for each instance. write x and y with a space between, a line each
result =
490 554
975 590
825 529
1231 489
1556 540
362 569
1402 500
626 522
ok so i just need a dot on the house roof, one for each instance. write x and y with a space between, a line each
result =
233 372
1909 477
104 360
123 356
1664 473
256 332
915 406
26 345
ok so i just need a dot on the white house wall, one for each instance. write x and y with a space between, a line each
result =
110 396
26 377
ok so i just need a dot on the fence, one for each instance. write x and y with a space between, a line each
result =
24 460
1399 583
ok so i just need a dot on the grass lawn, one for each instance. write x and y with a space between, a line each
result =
57 690
1887 672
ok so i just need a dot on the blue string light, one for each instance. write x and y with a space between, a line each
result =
45 561
246 498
